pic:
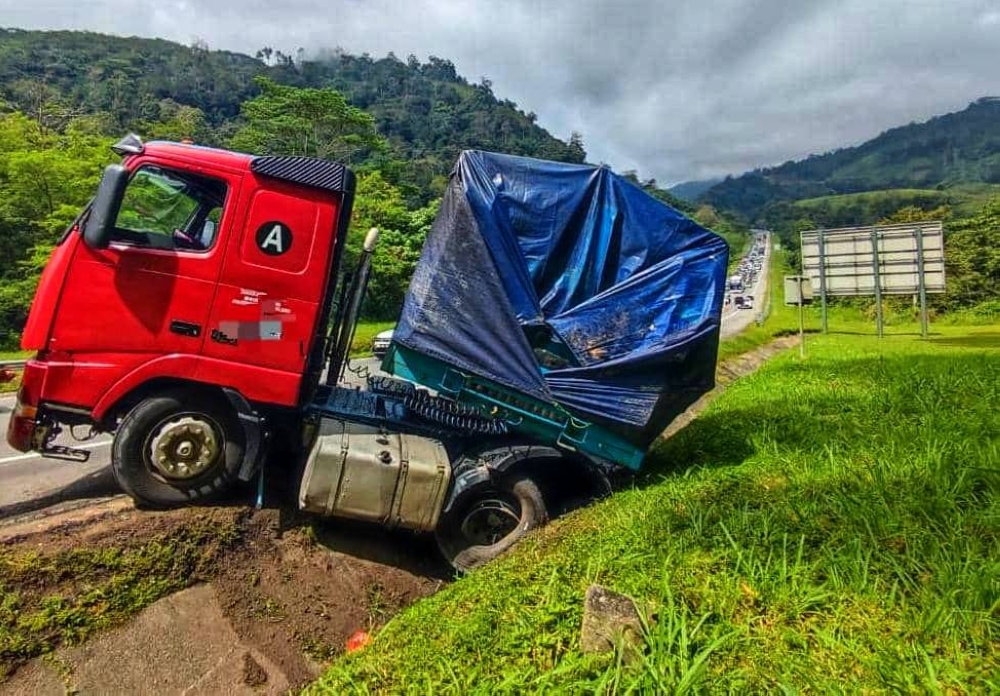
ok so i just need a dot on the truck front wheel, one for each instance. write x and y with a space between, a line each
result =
177 448
488 520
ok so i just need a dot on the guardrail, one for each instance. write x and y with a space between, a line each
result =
12 364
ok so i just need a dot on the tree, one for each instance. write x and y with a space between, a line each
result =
177 122
44 104
577 151
402 233
305 121
264 54
972 258
45 179
912 213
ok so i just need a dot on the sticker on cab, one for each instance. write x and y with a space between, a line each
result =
274 238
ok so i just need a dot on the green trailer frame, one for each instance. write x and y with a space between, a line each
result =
523 414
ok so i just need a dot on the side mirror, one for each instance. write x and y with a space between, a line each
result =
104 210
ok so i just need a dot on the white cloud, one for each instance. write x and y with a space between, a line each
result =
990 18
675 90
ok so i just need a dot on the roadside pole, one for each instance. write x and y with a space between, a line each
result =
822 279
802 323
921 285
876 276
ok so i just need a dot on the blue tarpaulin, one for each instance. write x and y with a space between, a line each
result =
571 284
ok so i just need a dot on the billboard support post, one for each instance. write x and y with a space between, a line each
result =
878 283
802 321
921 284
822 281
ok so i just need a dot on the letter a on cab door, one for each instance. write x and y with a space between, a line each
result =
274 238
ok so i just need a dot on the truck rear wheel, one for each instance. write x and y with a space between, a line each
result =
488 520
177 448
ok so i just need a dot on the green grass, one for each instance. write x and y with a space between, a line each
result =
364 333
967 199
899 198
15 354
848 209
826 525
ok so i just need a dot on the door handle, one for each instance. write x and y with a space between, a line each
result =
185 328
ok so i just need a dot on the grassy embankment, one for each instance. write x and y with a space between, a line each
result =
826 524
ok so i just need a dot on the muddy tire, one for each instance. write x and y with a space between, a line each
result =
488 520
177 448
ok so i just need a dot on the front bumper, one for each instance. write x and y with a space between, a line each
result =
23 428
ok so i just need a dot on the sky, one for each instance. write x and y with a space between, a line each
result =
674 90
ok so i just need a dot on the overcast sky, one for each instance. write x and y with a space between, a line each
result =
675 90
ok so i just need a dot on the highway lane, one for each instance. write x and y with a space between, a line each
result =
735 320
30 481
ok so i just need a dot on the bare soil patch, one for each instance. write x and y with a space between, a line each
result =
292 587
298 588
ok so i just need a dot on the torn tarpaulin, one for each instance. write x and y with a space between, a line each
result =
573 285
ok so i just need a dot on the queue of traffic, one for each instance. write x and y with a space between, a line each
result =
746 274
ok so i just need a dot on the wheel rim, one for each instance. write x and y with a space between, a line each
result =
490 520
184 447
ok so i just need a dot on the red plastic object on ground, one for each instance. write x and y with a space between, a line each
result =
359 640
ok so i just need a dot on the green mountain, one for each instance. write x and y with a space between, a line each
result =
692 190
426 111
956 148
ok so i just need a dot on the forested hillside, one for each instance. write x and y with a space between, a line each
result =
692 190
426 112
947 150
66 96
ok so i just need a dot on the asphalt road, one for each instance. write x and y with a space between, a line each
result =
30 482
735 320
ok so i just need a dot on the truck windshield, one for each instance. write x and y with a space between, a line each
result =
165 209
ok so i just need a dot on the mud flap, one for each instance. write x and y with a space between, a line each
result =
254 433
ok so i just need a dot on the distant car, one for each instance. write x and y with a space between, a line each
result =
380 344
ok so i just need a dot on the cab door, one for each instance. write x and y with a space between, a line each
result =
150 291
273 282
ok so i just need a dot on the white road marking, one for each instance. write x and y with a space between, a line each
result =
32 455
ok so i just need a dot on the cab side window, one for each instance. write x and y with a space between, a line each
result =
167 209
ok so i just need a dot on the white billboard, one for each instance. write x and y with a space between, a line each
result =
853 257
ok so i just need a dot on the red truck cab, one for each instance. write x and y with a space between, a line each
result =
189 301
189 312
